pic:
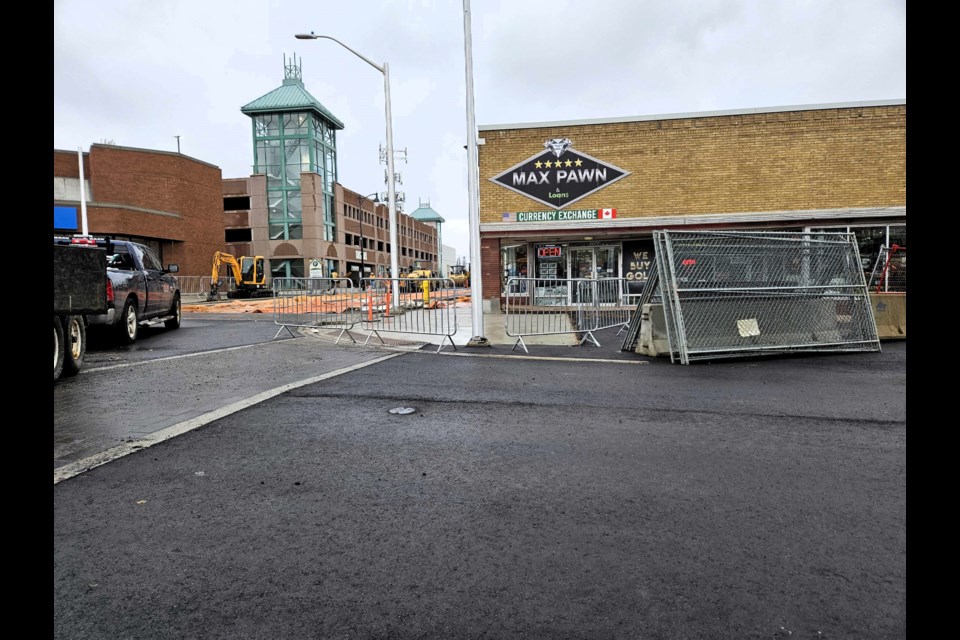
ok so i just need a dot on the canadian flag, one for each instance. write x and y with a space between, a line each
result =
608 213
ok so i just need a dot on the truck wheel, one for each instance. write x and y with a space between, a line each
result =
174 322
58 348
75 345
129 326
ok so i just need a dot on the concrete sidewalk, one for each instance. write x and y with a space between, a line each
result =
559 345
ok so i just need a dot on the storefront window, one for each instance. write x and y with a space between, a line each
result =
869 241
898 236
513 264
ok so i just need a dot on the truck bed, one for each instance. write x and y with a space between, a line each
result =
79 280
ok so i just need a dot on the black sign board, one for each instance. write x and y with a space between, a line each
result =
559 175
637 260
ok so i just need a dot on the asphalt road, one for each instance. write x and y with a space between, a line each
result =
522 498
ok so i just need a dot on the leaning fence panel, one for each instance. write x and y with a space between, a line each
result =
889 273
329 303
650 293
736 294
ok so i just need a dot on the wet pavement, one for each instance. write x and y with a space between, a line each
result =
571 494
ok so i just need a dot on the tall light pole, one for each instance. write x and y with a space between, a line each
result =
391 187
363 253
476 285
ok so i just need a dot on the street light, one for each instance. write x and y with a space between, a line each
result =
391 188
363 253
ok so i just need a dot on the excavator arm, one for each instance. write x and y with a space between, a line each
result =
219 260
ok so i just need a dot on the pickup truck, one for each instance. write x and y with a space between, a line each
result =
140 290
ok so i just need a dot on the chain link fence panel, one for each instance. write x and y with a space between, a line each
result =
733 294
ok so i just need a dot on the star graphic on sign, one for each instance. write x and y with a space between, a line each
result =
568 163
537 164
578 162
548 164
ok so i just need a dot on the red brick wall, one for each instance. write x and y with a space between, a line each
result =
490 263
65 164
127 179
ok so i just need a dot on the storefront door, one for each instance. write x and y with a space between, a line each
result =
593 263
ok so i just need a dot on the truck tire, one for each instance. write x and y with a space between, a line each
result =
75 345
174 322
58 348
129 325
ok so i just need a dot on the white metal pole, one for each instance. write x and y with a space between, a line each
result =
391 189
83 195
476 285
391 193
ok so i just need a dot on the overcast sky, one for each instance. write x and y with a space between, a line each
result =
139 72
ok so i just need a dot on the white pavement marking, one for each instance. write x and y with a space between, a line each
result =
185 355
76 468
519 357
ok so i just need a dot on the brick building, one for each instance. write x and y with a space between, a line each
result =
293 211
167 201
581 198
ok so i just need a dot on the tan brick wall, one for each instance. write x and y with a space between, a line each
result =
795 160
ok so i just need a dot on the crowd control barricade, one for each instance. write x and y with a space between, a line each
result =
546 306
192 287
602 303
329 303
427 306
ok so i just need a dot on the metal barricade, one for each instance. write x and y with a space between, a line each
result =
199 286
192 287
544 306
602 303
737 293
330 303
427 306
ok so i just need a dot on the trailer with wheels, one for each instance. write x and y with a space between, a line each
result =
79 289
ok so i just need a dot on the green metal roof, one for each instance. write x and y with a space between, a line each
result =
424 213
290 96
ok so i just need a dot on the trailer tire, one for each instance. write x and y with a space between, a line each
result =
174 322
74 344
58 348
129 325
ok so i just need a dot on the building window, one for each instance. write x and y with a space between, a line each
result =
513 263
870 239
287 268
237 235
236 203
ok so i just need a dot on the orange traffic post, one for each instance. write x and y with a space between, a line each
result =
369 305
387 311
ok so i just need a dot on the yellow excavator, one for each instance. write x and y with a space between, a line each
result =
248 273
460 274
